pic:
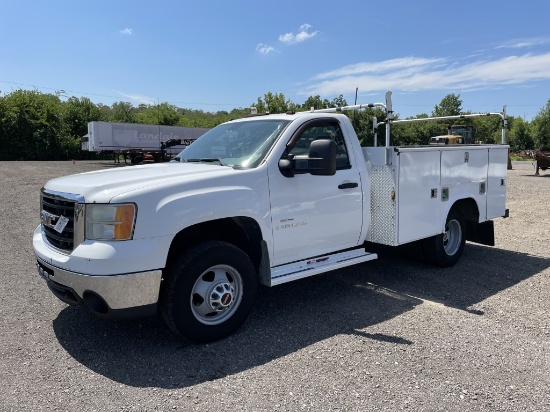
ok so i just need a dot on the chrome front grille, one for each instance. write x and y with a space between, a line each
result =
61 217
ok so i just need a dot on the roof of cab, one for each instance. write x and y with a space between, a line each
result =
288 116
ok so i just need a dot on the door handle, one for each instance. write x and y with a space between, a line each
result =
349 185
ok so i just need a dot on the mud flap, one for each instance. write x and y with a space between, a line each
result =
482 233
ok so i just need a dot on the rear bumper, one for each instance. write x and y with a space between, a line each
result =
115 296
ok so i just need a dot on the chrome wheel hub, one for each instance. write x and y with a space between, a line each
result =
216 294
452 237
221 296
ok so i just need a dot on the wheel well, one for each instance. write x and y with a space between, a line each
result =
243 232
468 208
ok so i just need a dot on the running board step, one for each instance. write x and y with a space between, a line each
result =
314 266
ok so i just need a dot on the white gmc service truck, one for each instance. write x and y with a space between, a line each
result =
265 200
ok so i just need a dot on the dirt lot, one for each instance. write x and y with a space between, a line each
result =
391 334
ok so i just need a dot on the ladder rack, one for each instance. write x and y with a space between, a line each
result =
387 106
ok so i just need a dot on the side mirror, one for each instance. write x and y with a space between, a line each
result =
321 160
322 157
286 166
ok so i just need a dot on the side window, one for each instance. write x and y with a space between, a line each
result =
328 130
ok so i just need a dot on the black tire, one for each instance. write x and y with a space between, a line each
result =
445 249
208 292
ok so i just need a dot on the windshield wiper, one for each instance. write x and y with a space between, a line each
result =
206 160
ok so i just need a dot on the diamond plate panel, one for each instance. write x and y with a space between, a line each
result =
383 213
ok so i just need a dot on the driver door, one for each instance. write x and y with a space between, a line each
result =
315 215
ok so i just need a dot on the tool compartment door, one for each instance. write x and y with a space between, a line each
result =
496 182
418 195
464 173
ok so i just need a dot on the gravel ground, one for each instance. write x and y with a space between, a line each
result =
393 334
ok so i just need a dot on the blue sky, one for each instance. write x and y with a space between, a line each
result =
219 55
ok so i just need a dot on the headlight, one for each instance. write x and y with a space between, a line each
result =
110 222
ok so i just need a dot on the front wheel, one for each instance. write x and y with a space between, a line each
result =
208 292
446 248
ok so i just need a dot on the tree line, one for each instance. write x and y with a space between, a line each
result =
42 126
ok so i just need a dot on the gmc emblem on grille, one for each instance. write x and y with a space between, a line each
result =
48 219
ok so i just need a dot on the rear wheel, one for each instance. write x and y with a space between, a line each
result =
209 291
446 248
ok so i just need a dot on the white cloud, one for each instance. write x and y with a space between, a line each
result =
378 67
265 49
524 43
127 31
417 74
301 36
518 45
286 38
139 98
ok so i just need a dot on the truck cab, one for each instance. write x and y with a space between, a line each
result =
467 132
448 139
457 134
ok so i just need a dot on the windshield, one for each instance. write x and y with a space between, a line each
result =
236 144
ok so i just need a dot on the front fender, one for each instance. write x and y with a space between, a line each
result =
190 208
167 210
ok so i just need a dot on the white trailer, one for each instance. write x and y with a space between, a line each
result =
128 138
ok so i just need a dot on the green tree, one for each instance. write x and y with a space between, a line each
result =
77 113
164 114
519 137
275 103
123 112
450 105
417 133
338 102
316 103
37 126
106 112
541 127
30 126
362 121
488 129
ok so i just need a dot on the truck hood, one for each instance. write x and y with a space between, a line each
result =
101 186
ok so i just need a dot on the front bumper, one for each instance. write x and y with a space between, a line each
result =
117 296
124 294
